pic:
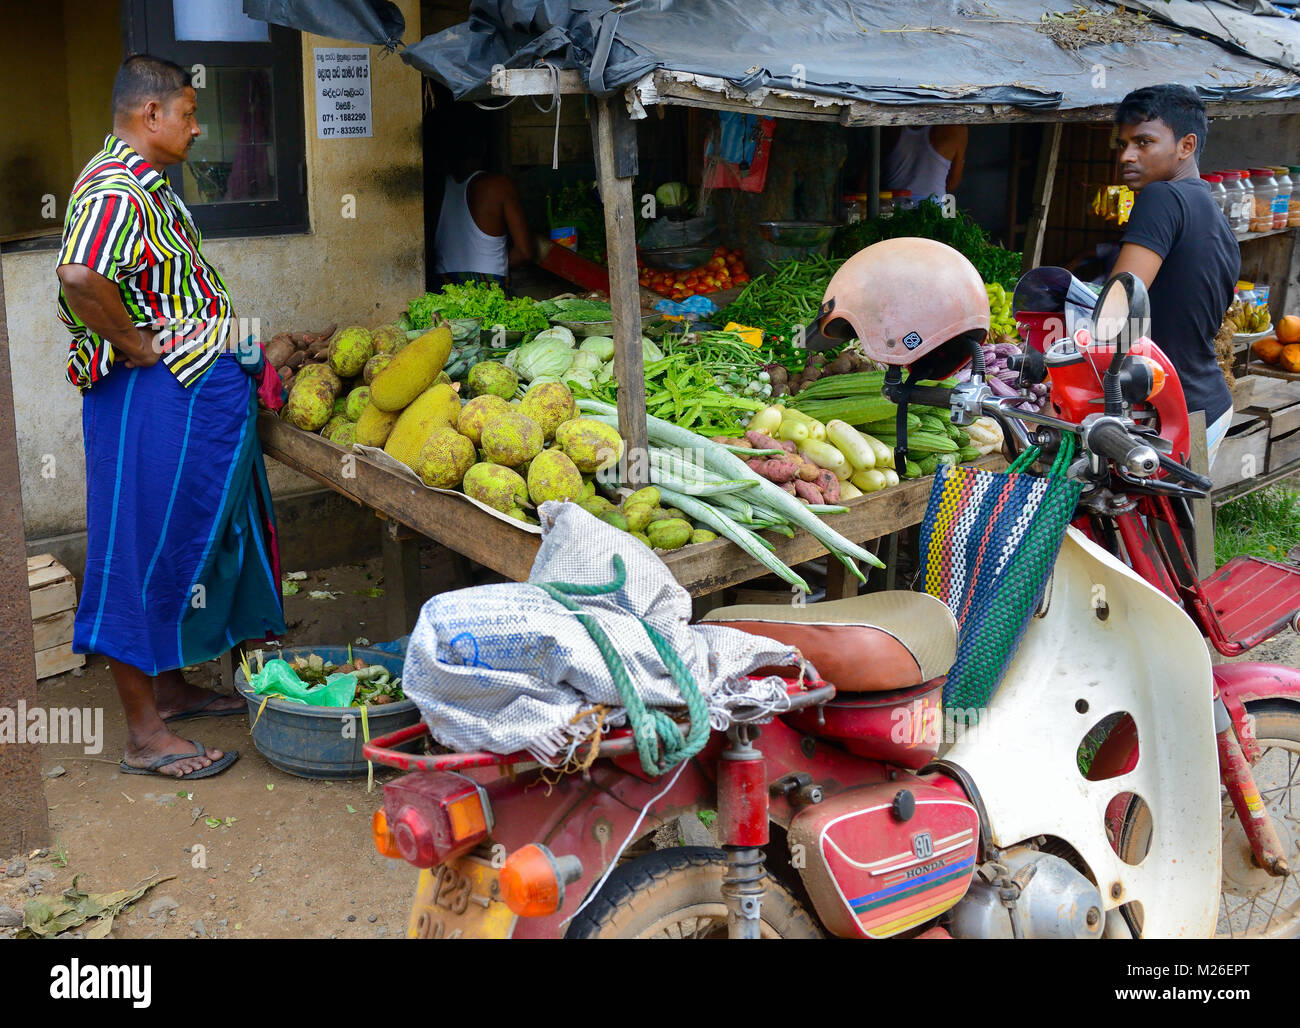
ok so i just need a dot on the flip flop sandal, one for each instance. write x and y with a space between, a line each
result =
215 768
201 710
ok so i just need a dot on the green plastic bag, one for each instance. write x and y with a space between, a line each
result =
281 681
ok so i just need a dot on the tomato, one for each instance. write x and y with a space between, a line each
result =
741 279
719 251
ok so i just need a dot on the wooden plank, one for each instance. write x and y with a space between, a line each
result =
701 569
53 598
48 576
457 524
1047 161
42 560
535 82
57 659
403 595
613 163
54 630
1202 510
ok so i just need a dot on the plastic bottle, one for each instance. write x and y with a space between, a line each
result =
1293 210
1240 199
1282 202
1217 192
903 200
1265 192
1246 292
1247 203
886 205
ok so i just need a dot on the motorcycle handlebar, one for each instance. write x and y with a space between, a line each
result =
1186 474
930 396
1113 441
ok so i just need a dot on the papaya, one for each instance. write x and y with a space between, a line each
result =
1267 349
1291 358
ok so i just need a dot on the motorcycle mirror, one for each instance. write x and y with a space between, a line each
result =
1122 314
1044 290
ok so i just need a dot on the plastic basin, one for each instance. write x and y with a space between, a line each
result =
322 742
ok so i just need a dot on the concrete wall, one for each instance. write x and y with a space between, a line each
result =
359 270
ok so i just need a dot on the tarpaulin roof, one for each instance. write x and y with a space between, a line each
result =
359 21
888 52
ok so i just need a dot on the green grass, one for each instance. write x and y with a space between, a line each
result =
1264 524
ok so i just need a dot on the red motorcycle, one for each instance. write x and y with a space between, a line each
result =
863 811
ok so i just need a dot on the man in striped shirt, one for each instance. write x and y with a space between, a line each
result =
181 560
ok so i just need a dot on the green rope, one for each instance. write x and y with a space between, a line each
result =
659 740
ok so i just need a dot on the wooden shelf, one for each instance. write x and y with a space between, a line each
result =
1221 496
1262 235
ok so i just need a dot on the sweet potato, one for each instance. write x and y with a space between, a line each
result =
724 440
775 469
279 350
808 471
789 488
295 360
759 441
808 492
829 486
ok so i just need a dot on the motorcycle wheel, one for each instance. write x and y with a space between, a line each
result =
1252 903
676 893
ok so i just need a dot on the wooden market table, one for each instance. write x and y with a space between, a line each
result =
702 569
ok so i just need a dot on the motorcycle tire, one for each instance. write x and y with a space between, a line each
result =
676 893
1277 728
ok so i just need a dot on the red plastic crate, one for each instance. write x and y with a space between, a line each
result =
1253 599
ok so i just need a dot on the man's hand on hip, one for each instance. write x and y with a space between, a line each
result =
98 303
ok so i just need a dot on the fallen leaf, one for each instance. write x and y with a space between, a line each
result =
212 822
238 925
270 787
351 808
322 594
45 916
289 588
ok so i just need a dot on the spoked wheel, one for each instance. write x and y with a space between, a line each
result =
677 894
1252 903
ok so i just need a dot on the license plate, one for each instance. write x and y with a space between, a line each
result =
460 900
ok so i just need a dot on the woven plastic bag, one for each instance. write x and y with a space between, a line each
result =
988 545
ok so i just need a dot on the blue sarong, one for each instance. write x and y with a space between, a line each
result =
181 562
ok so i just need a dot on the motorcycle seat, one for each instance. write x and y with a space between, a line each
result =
876 642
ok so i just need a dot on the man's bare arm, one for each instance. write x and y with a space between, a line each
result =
523 248
1143 263
96 301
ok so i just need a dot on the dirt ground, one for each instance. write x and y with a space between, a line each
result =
295 862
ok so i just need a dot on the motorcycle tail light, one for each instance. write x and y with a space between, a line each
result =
384 841
436 817
533 880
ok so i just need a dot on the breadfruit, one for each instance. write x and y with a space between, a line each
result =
309 405
510 439
349 351
497 486
591 445
492 378
412 370
387 339
345 435
333 423
357 401
323 372
444 458
374 366
552 476
669 534
436 407
475 414
550 404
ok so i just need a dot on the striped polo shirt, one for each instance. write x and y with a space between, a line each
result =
125 222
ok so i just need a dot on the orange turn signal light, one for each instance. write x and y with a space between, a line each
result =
533 879
384 841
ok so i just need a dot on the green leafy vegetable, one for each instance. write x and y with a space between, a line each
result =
483 300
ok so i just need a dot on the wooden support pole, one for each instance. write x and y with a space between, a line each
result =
873 174
24 819
1048 157
1202 510
616 164
403 596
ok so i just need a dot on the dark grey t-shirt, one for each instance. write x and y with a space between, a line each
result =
1181 222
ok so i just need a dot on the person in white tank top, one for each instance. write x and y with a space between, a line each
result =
927 160
482 231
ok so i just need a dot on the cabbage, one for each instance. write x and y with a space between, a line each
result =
543 356
601 345
605 373
585 360
556 332
650 352
671 194
578 378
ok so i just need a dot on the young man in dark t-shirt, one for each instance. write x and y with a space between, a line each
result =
1178 242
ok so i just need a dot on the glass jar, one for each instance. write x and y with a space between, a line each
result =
1218 193
1282 202
1293 209
886 205
1265 185
903 200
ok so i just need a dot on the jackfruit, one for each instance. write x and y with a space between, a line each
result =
411 371
374 425
436 407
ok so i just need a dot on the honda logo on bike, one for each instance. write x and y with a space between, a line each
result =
922 845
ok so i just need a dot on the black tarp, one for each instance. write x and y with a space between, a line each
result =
901 52
377 22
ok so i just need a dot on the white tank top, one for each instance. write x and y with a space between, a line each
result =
916 165
461 245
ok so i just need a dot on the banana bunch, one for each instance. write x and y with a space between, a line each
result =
1247 317
1001 321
